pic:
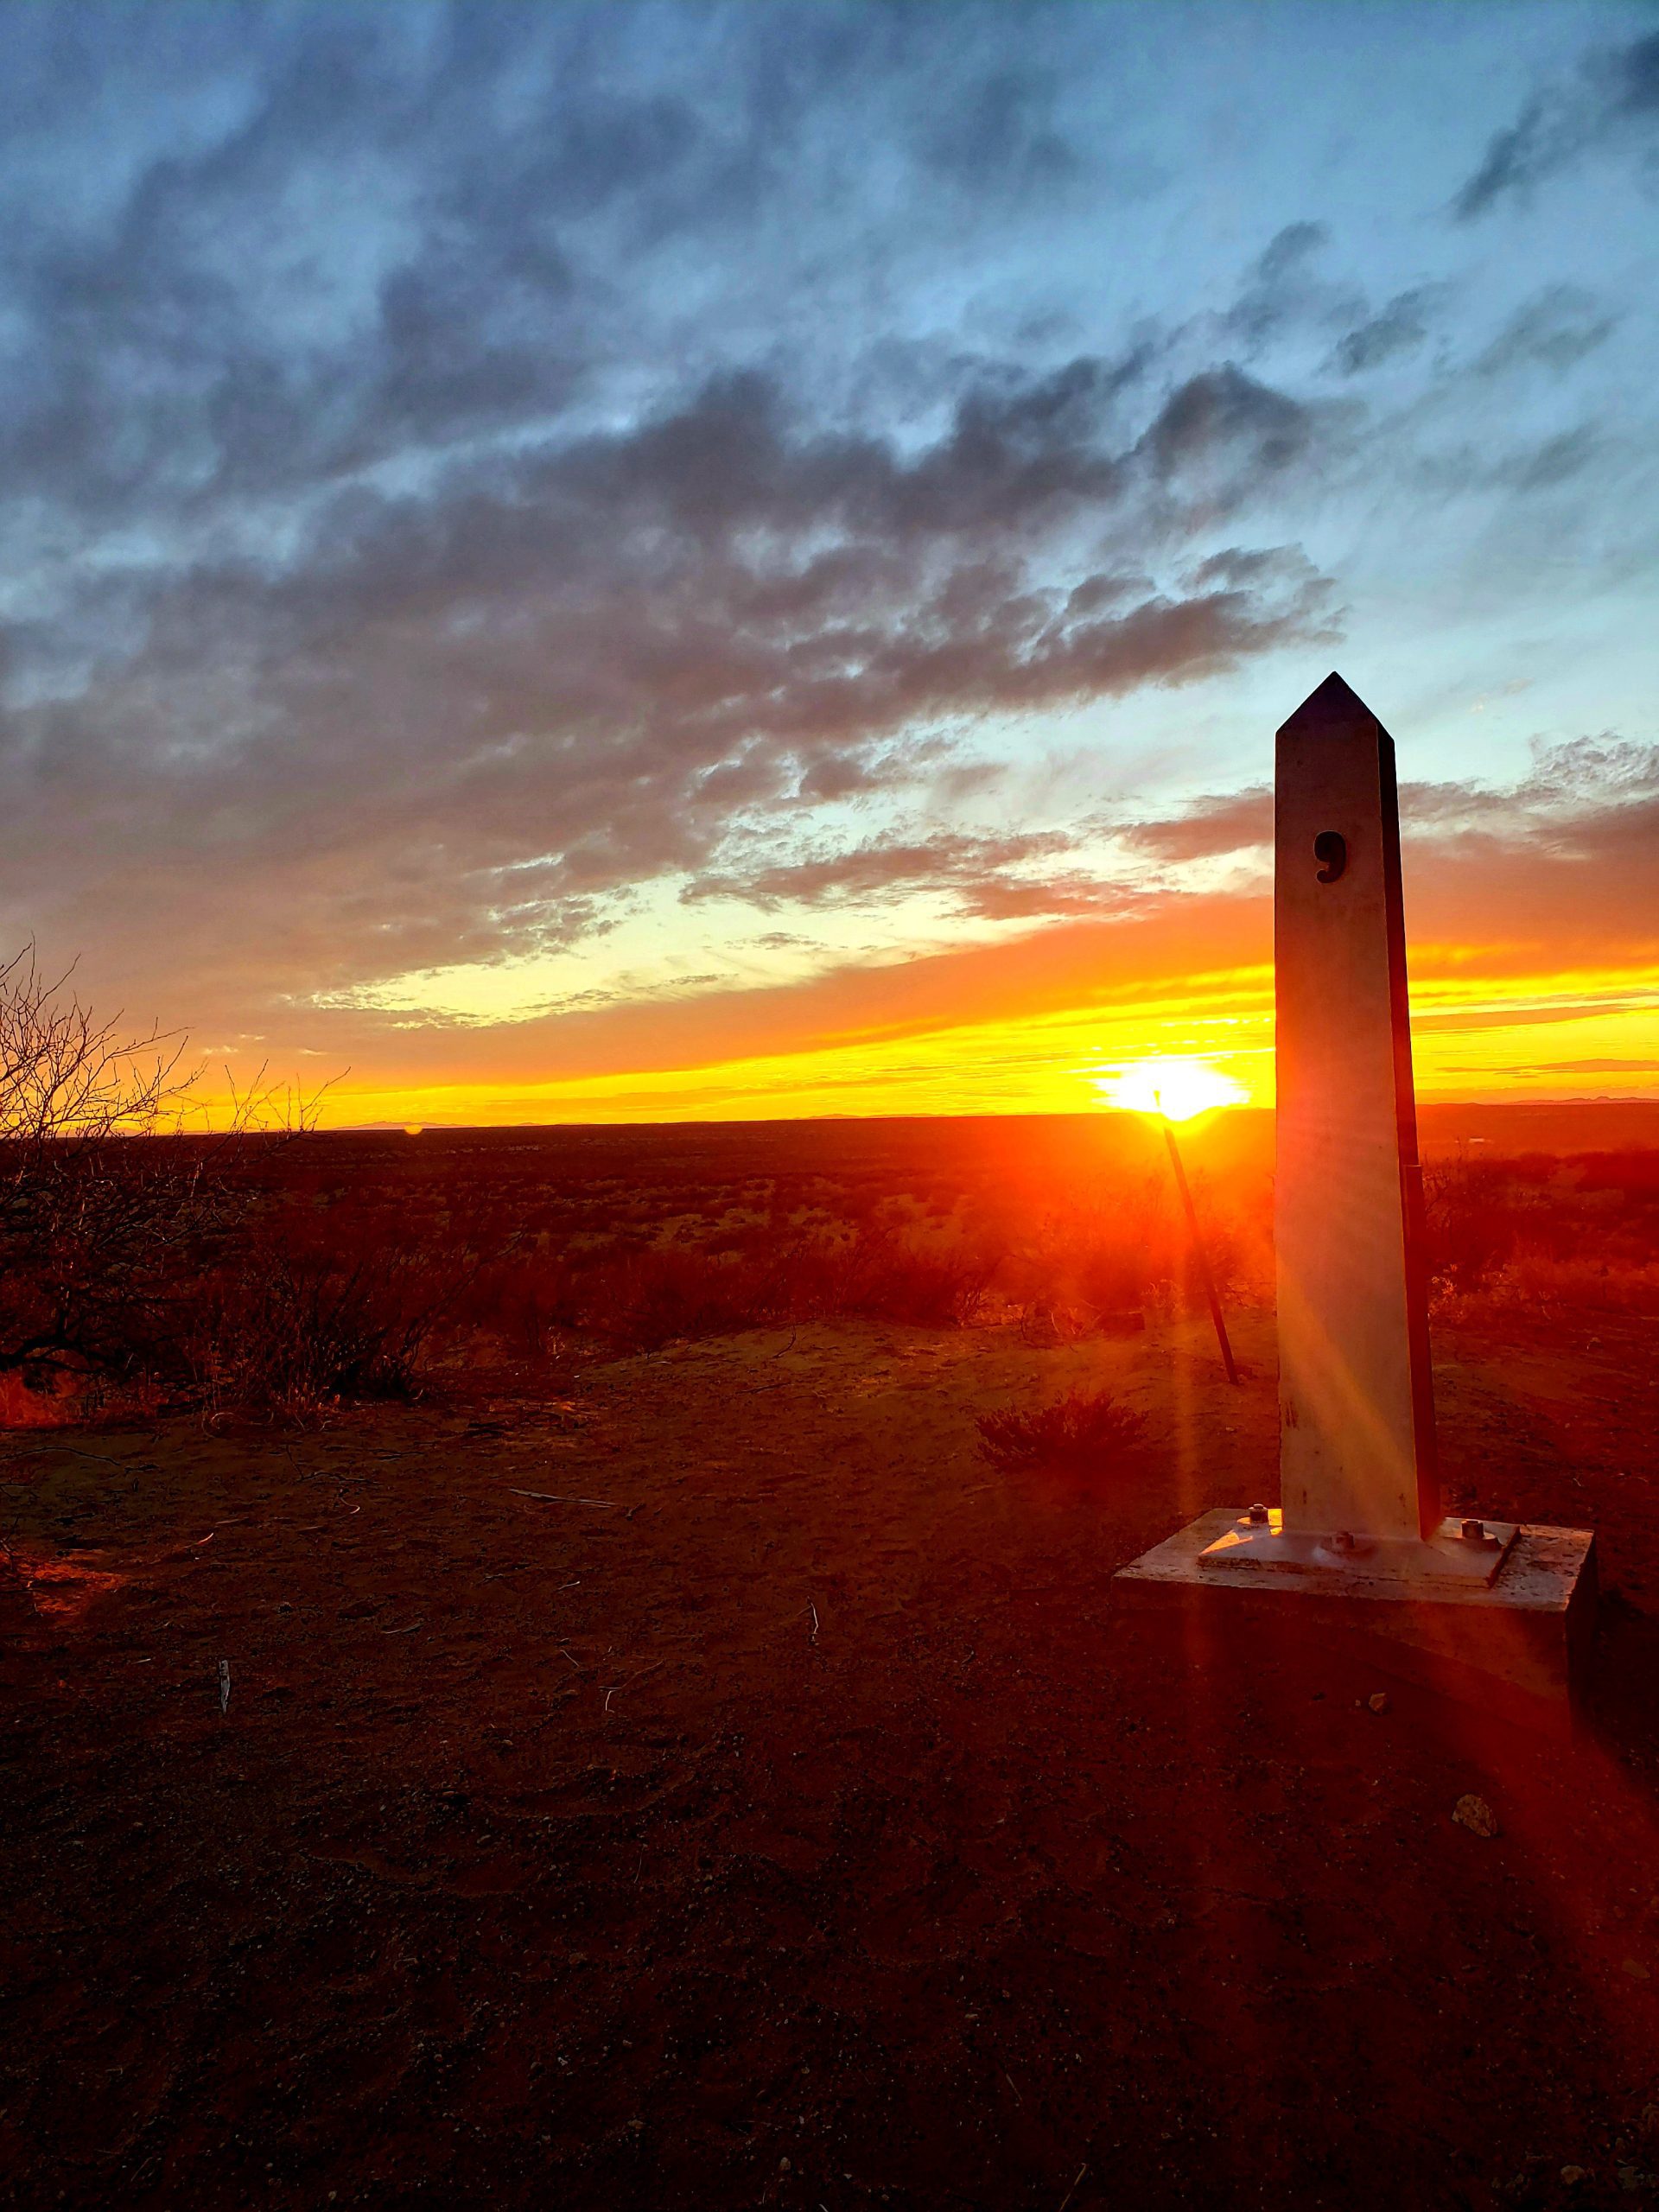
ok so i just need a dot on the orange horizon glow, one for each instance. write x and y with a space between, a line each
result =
1478 1036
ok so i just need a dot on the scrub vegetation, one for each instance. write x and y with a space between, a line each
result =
288 1271
278 1271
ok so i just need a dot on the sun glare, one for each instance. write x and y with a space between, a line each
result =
1179 1089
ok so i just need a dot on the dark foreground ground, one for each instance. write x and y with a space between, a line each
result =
777 1812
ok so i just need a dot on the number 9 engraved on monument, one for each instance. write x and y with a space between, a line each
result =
1330 847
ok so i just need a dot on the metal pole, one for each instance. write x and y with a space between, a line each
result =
1202 1256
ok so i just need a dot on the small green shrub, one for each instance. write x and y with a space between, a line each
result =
1085 1432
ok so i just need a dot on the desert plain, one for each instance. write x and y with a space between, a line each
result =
657 1758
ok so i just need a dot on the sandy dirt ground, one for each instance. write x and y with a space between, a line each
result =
698 1781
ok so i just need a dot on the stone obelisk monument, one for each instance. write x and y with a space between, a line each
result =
1357 1474
1356 1401
1360 1537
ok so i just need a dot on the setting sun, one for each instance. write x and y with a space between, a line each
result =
1179 1089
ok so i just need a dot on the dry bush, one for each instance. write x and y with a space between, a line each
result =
113 1223
1543 1287
1538 1239
90 1221
292 1332
1091 1259
672 1290
665 1292
522 1301
933 1284
1083 1434
759 1275
1474 1214
1125 1250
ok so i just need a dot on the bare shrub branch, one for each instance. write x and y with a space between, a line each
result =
115 1210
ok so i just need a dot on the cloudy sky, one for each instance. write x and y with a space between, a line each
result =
673 561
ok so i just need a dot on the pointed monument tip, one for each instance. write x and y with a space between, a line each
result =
1333 705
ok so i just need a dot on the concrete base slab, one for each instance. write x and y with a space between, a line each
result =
1519 1642
1459 1551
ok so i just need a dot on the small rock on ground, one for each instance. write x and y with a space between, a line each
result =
1476 1815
